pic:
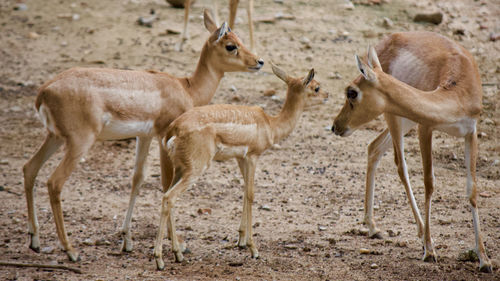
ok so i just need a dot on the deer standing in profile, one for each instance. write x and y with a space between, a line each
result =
426 79
83 105
233 7
222 132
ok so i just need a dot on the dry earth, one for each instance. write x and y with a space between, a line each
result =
309 194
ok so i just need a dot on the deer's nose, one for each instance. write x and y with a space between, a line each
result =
260 62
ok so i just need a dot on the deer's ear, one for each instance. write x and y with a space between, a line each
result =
308 78
366 71
373 61
222 31
210 24
280 73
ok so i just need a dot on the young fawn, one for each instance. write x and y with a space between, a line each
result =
82 105
222 132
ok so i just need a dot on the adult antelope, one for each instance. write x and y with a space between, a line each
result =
430 81
82 105
222 132
233 7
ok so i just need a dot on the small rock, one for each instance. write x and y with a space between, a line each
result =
309 58
204 211
485 194
75 17
364 251
322 228
495 162
278 1
282 16
488 121
101 242
64 43
147 21
453 156
269 92
33 35
47 250
349 6
290 247
304 40
494 36
387 22
334 75
392 233
459 31
401 244
265 208
327 128
482 135
233 88
236 98
4 162
275 98
171 31
374 266
435 18
88 242
20 7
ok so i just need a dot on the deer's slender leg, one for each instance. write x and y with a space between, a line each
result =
141 154
185 34
425 140
76 147
250 24
233 7
470 164
247 168
167 221
30 170
396 128
376 150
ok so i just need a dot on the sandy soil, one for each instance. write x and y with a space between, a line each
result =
309 193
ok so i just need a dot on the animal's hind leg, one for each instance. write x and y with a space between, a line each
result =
30 171
75 149
142 150
470 164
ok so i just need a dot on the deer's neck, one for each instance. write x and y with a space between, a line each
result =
428 108
284 123
202 85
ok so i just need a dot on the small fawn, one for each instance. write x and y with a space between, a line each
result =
222 132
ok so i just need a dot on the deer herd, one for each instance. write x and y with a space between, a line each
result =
417 79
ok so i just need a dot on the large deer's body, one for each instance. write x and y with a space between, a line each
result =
417 78
222 132
82 105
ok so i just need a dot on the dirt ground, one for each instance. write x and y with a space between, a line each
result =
309 191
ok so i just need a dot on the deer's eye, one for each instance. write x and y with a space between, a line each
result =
352 94
316 89
231 48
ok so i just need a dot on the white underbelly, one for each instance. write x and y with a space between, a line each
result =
115 129
460 128
226 152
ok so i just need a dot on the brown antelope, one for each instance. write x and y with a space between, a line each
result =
222 132
431 81
82 105
233 7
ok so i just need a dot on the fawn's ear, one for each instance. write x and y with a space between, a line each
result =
373 61
280 73
308 78
366 71
222 31
210 24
